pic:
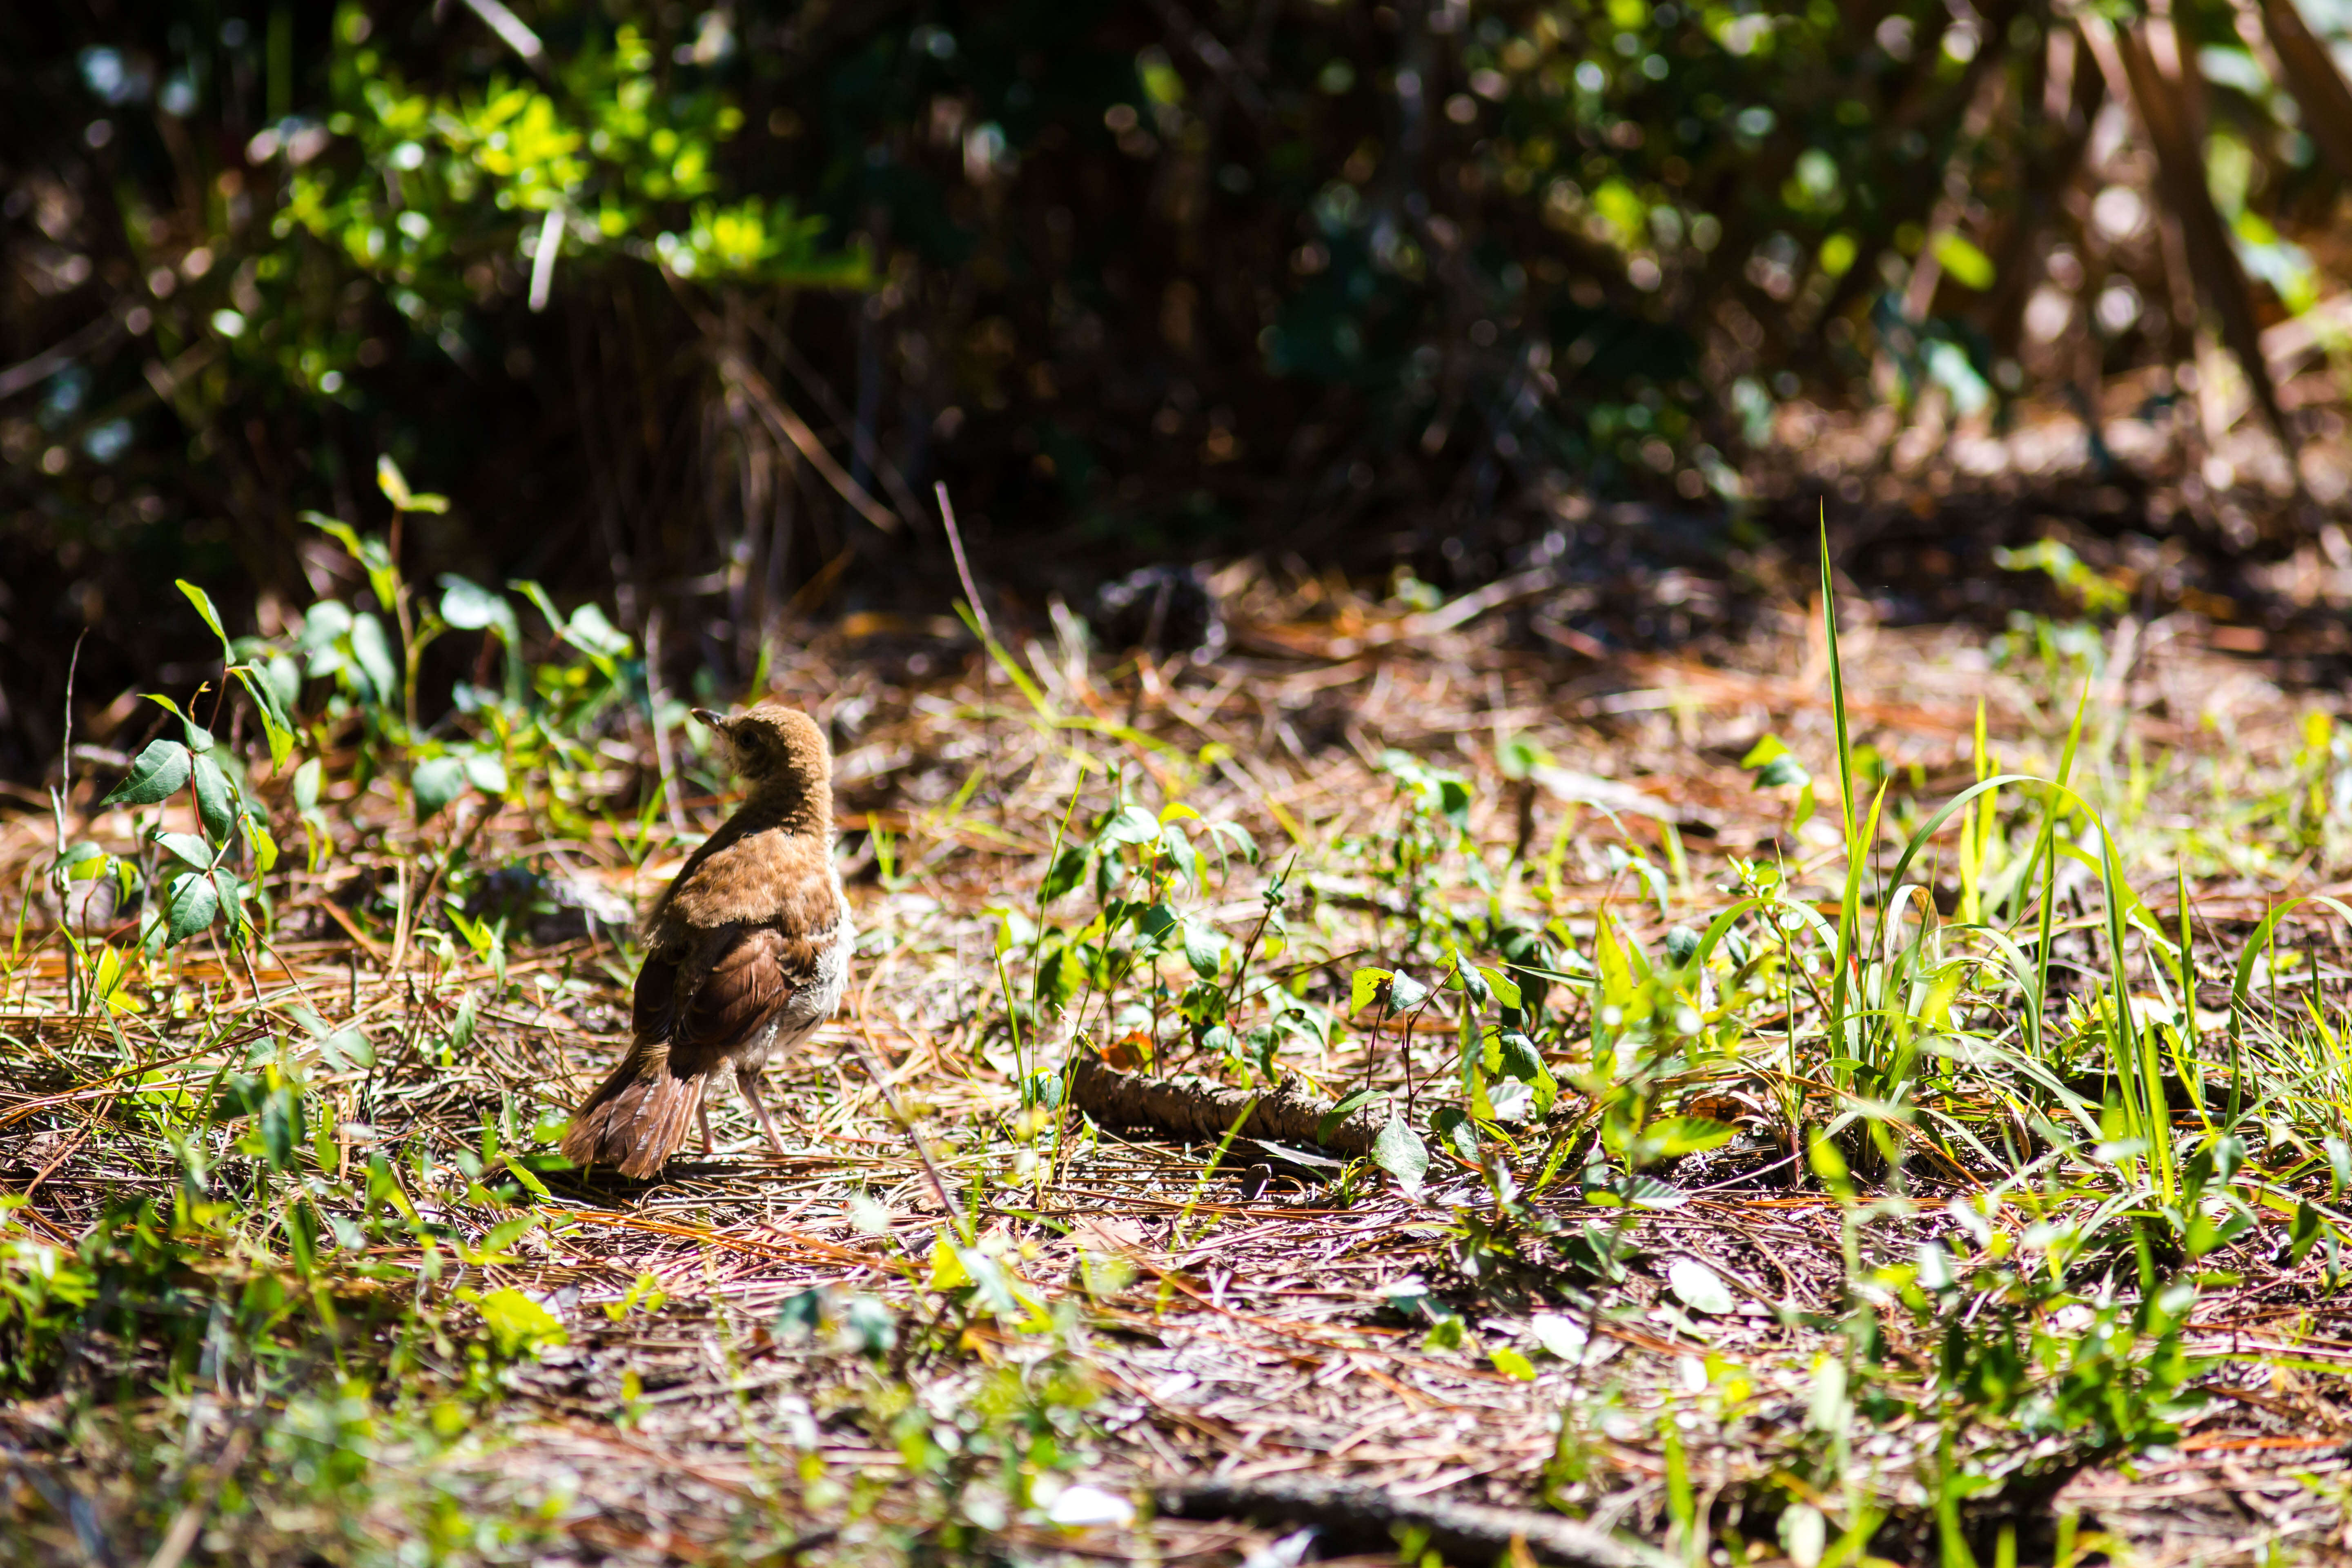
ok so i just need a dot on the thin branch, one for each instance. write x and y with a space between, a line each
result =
511 32
735 368
31 373
963 567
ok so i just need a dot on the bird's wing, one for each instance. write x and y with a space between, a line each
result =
751 973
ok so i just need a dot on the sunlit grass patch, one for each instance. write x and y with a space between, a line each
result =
1795 1149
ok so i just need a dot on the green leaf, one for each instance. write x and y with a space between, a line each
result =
1509 1099
1933 1267
341 1048
436 781
1013 930
1456 1129
189 906
470 607
996 1292
372 652
285 680
281 1125
1829 1164
1969 267
540 602
203 604
1511 1363
461 1028
486 773
1235 837
2229 1155
1347 1107
336 528
307 780
1130 824
229 894
1060 971
1453 800
1560 1335
1774 764
187 848
1400 1152
2304 1232
1505 989
1158 925
1180 852
215 804
1408 1298
156 774
1069 869
1364 987
391 481
591 633
1805 1530
2207 1232
871 1326
517 1323
1697 1286
799 1317
527 1176
1519 1060
1686 1135
1406 993
947 1272
270 704
1642 1192
347 1049
1204 950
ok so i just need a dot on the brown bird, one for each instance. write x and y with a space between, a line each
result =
746 952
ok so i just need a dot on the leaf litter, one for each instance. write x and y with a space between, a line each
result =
1734 1194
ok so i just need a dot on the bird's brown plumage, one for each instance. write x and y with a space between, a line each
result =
746 951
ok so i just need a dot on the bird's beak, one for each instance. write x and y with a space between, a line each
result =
717 722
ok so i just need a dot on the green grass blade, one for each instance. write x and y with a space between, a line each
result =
2045 859
1837 682
1849 914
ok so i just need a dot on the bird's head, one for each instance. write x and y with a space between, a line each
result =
772 745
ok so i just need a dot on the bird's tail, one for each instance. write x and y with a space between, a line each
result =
638 1117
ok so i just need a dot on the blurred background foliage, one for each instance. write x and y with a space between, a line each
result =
686 307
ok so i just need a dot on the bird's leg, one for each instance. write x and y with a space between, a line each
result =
748 1080
702 1114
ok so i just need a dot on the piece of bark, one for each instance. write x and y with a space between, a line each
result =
1366 1517
1200 1113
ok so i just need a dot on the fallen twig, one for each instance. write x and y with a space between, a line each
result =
1196 1111
1371 1518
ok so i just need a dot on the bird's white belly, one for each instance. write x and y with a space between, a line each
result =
812 1004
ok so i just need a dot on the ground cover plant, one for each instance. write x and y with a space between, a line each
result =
1864 1095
